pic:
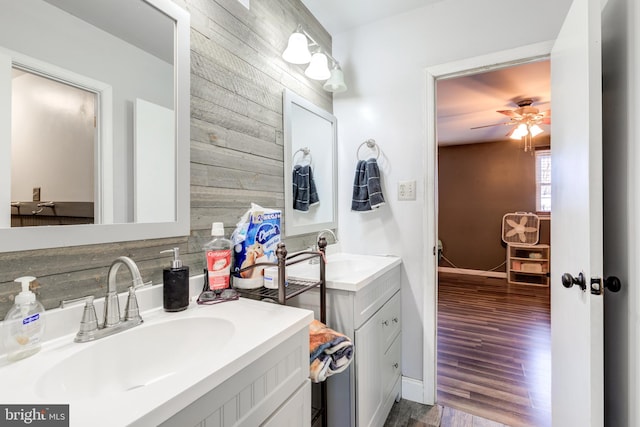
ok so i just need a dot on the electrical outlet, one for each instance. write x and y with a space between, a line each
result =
36 194
407 190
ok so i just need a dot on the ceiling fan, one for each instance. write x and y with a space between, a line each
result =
525 121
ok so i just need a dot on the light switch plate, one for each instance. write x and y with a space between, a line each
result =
36 194
407 190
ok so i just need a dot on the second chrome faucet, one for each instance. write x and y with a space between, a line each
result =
113 322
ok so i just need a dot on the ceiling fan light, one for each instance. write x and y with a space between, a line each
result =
318 68
535 130
519 131
297 51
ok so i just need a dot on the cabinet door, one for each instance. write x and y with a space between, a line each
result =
390 321
368 379
390 370
295 412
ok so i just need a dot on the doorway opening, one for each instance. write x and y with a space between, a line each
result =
493 308
53 150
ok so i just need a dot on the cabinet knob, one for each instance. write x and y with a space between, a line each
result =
395 365
395 320
385 323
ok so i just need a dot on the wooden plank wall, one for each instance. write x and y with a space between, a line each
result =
237 81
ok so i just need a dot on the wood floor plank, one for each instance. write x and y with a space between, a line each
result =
494 346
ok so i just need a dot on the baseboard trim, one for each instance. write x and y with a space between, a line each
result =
496 274
412 390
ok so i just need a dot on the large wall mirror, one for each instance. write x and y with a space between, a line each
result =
310 166
94 122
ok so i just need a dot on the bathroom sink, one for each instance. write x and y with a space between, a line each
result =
347 271
135 358
144 375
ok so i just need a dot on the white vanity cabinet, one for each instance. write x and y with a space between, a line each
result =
363 395
378 364
272 391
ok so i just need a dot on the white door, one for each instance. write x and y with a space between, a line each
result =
576 226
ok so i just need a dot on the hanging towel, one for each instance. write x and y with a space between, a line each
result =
304 188
376 199
330 352
367 191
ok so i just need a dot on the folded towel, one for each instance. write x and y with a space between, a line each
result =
330 352
304 188
367 191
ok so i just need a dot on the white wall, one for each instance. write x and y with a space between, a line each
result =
52 140
621 133
384 65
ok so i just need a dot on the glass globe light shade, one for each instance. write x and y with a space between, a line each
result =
318 68
297 51
335 83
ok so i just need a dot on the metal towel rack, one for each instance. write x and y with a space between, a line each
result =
371 144
306 152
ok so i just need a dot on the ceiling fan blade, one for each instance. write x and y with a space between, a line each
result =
546 121
487 126
509 113
513 129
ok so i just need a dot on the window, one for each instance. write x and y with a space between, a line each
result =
543 181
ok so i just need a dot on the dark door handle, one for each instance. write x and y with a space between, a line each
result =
612 283
568 281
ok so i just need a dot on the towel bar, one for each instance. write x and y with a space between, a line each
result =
371 144
306 151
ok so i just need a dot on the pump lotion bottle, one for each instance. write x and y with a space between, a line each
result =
175 284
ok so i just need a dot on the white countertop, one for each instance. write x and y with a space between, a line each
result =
257 327
347 272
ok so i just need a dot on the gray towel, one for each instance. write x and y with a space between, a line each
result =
304 188
376 198
367 191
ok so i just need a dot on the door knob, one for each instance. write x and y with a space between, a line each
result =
612 283
568 281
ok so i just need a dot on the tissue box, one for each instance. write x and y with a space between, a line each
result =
255 240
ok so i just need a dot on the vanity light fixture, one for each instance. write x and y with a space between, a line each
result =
336 82
318 68
297 52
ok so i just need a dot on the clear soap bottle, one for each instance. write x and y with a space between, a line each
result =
218 259
24 323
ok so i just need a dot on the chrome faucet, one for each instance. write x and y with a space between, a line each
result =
314 248
112 322
326 230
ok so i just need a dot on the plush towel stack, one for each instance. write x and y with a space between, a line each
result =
367 191
304 188
330 352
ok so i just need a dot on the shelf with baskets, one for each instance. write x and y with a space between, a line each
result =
528 264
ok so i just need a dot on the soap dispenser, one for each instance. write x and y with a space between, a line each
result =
175 283
24 323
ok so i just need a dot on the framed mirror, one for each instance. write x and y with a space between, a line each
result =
310 166
94 122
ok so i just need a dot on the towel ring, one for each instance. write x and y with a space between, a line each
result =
371 144
306 151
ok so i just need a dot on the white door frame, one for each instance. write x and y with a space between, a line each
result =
502 59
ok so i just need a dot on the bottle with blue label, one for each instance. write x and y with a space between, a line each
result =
24 324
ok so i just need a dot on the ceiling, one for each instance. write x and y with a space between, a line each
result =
463 102
337 16
471 101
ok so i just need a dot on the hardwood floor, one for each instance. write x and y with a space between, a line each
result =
494 350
